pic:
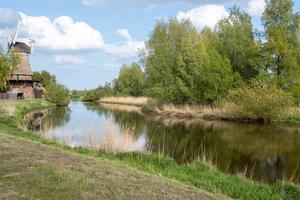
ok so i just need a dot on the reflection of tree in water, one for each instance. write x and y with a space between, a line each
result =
57 117
273 169
233 148
125 120
94 107
184 144
262 152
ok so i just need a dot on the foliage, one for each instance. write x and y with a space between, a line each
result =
57 94
130 81
44 77
182 67
236 41
7 64
259 101
76 94
282 29
98 93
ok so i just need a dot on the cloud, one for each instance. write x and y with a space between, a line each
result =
67 60
193 2
63 34
256 7
208 15
128 48
92 2
8 18
124 33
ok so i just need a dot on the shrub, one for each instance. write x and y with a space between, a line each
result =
259 102
57 94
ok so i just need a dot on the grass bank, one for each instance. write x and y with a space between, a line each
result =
145 105
197 175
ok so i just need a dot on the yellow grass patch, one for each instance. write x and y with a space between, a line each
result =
136 101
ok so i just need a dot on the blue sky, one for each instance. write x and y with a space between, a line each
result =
85 42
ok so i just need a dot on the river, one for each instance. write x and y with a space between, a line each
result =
261 152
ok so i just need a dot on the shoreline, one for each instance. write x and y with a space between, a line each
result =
198 174
182 112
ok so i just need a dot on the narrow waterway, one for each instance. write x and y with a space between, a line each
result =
262 152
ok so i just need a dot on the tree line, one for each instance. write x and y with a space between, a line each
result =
183 65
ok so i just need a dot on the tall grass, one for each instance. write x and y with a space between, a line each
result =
111 140
136 101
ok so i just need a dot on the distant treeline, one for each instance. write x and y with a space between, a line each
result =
183 65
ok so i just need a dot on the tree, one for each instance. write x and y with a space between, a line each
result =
44 77
236 41
98 93
57 94
282 29
182 66
130 81
7 64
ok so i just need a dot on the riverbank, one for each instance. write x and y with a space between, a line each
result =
148 106
30 170
197 175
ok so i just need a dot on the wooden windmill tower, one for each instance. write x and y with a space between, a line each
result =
20 83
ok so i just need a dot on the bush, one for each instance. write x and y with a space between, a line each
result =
57 94
259 102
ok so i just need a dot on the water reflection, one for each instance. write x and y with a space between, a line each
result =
263 152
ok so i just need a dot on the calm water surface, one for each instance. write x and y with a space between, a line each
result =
262 152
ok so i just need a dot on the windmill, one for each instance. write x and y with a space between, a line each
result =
23 71
20 83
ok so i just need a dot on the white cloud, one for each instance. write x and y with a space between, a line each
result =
65 34
67 60
256 7
208 15
92 2
61 34
192 2
124 33
128 48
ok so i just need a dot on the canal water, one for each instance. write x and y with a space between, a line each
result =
262 152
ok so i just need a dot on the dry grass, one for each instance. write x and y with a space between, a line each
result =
193 111
136 101
112 140
293 111
125 108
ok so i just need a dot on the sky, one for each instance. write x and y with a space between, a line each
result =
86 42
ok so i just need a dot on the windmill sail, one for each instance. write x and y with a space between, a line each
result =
16 33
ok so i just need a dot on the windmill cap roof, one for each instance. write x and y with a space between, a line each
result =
22 47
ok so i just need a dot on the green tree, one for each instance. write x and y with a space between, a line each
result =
57 94
182 66
98 93
130 81
7 64
236 41
44 77
282 29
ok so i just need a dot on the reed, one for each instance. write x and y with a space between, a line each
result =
135 101
111 140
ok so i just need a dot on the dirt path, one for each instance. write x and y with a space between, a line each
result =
30 170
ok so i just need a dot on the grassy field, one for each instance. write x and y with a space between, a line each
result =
196 175
30 170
